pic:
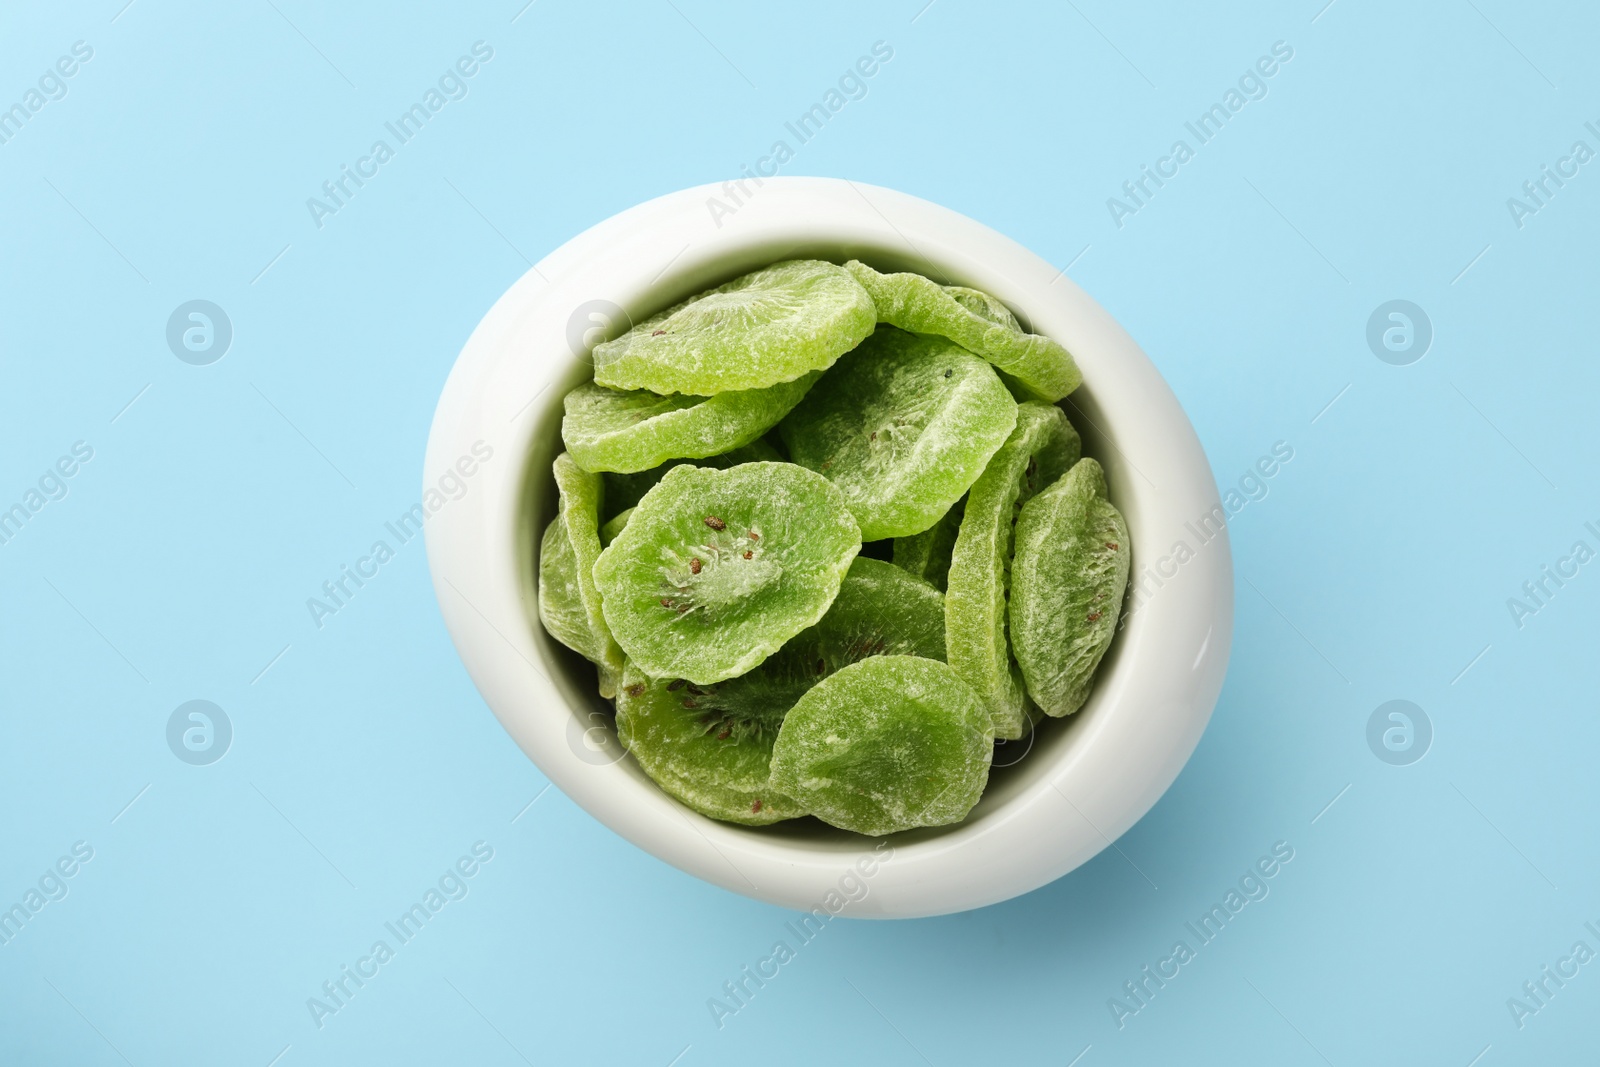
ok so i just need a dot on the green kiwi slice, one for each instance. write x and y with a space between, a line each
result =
715 570
1041 448
1068 578
880 611
709 745
1041 368
903 426
634 430
567 553
714 761
769 326
886 744
560 599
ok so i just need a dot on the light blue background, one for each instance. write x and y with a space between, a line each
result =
364 763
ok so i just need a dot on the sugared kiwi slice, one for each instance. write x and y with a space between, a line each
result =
887 744
709 745
635 430
569 601
715 570
1068 578
1041 368
1039 451
903 425
769 326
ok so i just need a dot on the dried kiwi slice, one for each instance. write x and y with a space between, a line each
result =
1041 449
715 570
1067 582
623 491
927 555
560 600
887 744
709 745
903 425
634 430
713 760
1042 368
880 611
578 519
769 326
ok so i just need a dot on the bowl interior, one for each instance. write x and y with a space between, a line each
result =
1018 765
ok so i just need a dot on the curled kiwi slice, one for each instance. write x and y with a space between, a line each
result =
1068 578
769 326
886 744
1040 367
567 553
709 745
880 611
712 758
715 570
560 599
903 426
634 430
1038 452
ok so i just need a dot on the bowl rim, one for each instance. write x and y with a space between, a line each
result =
1097 776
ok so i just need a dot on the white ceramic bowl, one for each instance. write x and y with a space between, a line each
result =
1086 780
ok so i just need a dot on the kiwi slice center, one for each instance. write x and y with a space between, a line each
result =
750 711
720 576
